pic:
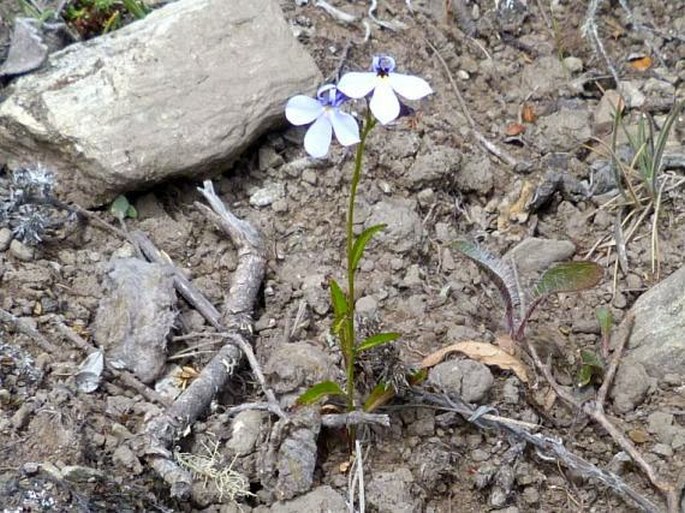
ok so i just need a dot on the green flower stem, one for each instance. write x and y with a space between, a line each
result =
369 123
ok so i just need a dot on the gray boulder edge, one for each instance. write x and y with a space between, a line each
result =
182 92
657 340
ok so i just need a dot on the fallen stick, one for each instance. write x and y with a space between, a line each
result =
547 447
22 326
595 410
163 431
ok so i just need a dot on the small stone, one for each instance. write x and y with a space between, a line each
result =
479 455
463 75
280 206
661 424
267 195
21 416
639 436
125 457
531 495
631 385
21 251
298 364
510 391
426 197
245 430
535 255
269 158
81 474
630 91
390 492
413 277
367 306
468 379
662 450
310 176
322 499
5 238
573 64
30 468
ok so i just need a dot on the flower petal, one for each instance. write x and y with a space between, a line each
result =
302 109
409 87
356 84
317 140
345 127
384 104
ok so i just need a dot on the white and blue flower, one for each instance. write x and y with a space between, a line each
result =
385 85
327 118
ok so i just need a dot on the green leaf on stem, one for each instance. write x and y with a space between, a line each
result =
361 242
592 366
606 320
318 392
569 277
503 275
380 395
338 300
377 340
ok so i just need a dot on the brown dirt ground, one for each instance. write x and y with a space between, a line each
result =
430 165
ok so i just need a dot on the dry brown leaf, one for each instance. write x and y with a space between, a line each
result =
642 63
481 352
639 436
514 129
528 113
507 344
550 399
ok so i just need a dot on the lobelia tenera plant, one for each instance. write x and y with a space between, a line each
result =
380 87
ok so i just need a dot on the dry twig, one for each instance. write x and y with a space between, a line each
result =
595 410
163 430
546 447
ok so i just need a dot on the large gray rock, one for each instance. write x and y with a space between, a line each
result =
181 92
657 340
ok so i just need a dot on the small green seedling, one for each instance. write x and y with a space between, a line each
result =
121 209
591 368
564 277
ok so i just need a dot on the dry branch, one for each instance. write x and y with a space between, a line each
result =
236 323
547 447
595 410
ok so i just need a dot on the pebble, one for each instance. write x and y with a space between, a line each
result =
663 450
309 176
480 455
5 238
21 251
269 158
510 391
245 430
267 195
367 306
30 468
573 64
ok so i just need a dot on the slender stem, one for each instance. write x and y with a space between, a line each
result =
369 123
